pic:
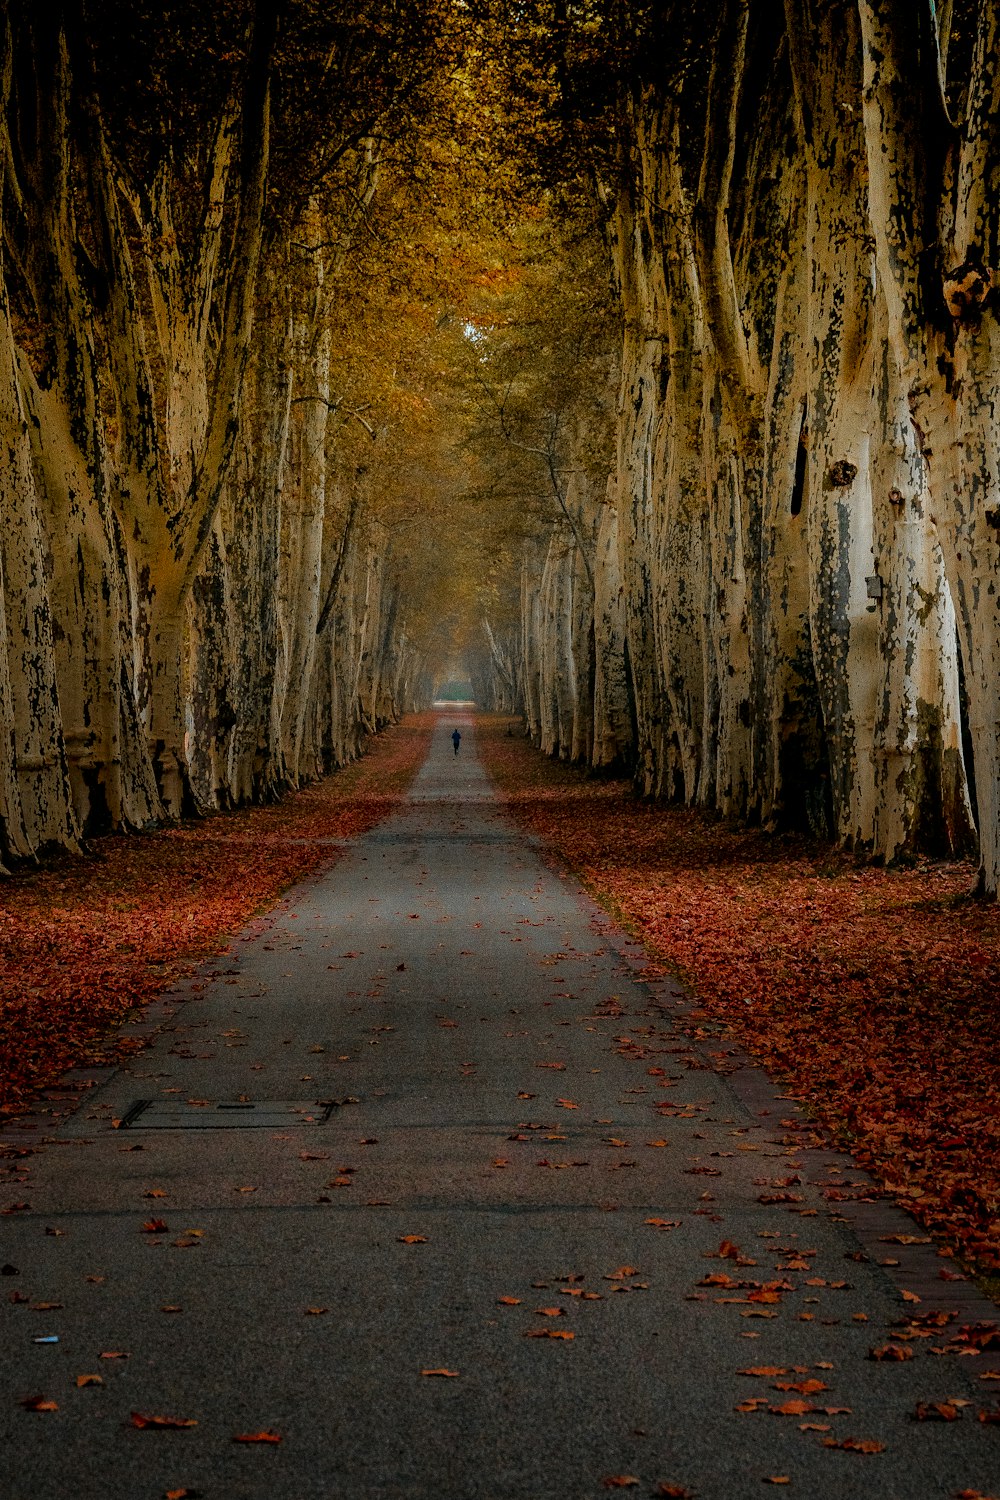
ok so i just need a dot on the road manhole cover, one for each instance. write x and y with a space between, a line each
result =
226 1114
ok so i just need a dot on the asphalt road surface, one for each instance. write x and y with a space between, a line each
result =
425 1179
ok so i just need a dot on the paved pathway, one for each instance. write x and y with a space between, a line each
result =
533 1177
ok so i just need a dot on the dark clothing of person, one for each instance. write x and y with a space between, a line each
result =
456 740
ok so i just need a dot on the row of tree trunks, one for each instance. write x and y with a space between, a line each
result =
807 481
197 608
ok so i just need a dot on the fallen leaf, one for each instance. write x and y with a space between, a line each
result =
85 1380
39 1403
620 1481
509 1301
855 1445
257 1437
446 1374
891 1352
412 1239
154 1226
148 1419
548 1333
935 1411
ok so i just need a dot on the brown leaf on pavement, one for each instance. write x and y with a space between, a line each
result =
855 1445
154 1226
509 1301
412 1239
149 1419
39 1403
85 1380
548 1333
446 1374
935 1411
257 1437
620 1481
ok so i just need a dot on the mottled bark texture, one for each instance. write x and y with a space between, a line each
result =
195 609
806 490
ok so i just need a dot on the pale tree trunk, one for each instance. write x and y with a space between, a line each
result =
531 624
633 253
42 814
681 532
613 741
304 501
798 779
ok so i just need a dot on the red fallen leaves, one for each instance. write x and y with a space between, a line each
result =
620 1481
82 941
257 1437
39 1403
889 1352
444 1374
154 1226
777 937
855 1445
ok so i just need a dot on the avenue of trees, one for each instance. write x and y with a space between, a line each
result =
641 357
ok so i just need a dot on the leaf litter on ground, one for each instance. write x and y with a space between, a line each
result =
870 992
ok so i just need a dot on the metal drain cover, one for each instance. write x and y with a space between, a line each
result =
226 1114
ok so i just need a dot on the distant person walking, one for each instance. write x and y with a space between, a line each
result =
456 740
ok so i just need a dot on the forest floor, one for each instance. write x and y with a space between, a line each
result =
83 941
871 992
